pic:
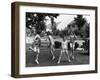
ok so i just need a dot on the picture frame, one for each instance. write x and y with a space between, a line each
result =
23 15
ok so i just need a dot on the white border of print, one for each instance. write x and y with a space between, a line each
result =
53 69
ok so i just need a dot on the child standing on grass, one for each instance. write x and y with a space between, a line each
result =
72 44
64 50
36 46
51 45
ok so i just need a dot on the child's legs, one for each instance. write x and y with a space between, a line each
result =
67 54
37 53
73 50
60 56
52 51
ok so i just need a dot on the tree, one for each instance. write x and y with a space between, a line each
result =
87 30
37 20
83 26
80 21
53 24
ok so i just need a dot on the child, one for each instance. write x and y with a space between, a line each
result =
64 50
51 44
72 44
36 46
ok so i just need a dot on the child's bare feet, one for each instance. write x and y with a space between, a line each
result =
73 57
53 57
37 62
58 62
69 60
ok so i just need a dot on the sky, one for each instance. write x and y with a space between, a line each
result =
64 20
